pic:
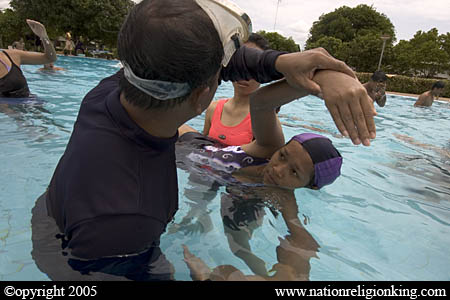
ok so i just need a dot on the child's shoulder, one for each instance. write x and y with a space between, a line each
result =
212 106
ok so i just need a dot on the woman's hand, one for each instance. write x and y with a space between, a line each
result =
37 28
38 58
349 105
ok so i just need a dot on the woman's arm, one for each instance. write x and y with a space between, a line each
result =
37 58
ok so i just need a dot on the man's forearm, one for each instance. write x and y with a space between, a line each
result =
274 95
250 63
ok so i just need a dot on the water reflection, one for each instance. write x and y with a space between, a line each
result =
433 167
242 212
35 121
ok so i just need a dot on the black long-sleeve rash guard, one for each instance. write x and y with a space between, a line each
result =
250 63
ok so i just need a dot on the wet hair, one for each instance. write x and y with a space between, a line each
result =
259 41
168 40
438 85
379 76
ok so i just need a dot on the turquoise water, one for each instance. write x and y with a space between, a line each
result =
386 218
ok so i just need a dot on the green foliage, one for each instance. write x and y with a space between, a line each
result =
279 42
333 45
445 42
347 23
426 54
12 28
403 53
364 52
354 35
94 19
408 85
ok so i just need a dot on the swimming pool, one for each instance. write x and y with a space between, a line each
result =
386 218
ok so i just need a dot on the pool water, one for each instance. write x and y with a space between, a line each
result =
386 218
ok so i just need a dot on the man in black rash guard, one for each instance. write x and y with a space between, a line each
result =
115 188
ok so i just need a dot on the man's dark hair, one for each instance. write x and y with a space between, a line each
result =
379 76
438 85
259 41
168 40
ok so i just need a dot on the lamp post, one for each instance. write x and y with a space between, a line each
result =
384 37
276 15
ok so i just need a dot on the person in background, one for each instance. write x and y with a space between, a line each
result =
19 45
228 120
376 87
12 81
427 98
37 44
79 45
51 68
68 48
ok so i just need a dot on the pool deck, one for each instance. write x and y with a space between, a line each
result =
415 96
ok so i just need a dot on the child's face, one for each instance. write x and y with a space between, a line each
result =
245 87
290 167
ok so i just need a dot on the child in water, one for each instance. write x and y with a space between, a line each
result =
307 160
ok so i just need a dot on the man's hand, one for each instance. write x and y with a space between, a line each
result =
299 68
349 105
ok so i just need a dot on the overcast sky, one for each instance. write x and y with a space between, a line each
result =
295 17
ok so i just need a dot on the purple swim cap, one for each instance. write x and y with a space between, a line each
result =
326 159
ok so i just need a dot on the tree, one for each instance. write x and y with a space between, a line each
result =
329 43
403 58
333 45
354 35
279 42
424 55
347 23
11 27
445 42
364 52
429 56
95 19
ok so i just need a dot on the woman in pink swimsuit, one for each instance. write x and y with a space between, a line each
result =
228 120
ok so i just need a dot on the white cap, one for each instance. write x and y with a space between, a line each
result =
232 24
